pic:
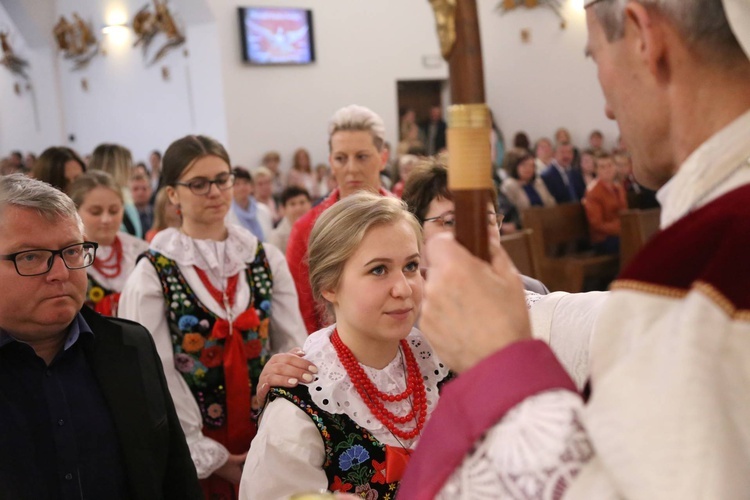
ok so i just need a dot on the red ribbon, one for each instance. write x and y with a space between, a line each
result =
237 382
236 376
248 320
396 460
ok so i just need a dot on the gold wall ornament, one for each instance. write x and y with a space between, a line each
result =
506 6
445 20
10 60
76 40
147 25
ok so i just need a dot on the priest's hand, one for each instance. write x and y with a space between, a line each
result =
284 370
471 308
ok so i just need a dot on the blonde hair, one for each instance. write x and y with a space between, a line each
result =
88 181
340 230
160 210
114 159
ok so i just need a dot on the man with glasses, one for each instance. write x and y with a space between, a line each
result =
669 406
84 408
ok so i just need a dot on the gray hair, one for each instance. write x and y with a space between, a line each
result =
358 118
21 191
702 22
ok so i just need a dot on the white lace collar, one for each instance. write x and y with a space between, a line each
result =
222 258
702 177
333 391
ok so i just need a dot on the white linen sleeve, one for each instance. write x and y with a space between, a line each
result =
287 330
142 300
286 456
566 322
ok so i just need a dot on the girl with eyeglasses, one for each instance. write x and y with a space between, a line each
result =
100 204
218 303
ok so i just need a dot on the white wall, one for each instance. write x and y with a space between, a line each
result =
130 103
31 120
363 48
546 83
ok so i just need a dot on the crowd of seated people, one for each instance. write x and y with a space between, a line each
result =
195 249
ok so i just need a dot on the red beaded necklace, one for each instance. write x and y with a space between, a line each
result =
112 265
374 398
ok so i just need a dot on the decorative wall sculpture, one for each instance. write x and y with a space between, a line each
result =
76 40
506 6
147 25
10 60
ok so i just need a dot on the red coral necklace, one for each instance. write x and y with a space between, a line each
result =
112 265
374 398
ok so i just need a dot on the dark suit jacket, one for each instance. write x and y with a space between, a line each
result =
124 360
440 140
557 187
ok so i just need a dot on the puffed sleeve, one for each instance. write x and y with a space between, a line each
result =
286 456
287 328
142 301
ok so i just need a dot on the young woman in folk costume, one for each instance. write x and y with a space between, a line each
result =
100 204
352 428
218 303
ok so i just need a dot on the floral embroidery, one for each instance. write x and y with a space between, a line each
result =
192 342
338 485
96 294
100 299
353 456
366 491
379 476
212 356
263 330
355 461
199 355
253 348
184 363
215 411
187 322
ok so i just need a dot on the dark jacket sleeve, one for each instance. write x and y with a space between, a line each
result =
180 480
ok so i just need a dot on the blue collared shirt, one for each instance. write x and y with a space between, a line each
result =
57 433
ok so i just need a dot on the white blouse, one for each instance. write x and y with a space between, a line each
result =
142 300
287 455
132 247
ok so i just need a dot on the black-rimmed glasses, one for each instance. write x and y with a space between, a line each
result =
201 186
40 260
448 219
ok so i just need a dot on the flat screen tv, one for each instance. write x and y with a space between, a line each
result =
277 35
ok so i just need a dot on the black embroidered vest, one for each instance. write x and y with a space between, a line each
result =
355 462
198 355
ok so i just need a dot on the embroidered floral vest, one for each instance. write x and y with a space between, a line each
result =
101 299
355 462
198 355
